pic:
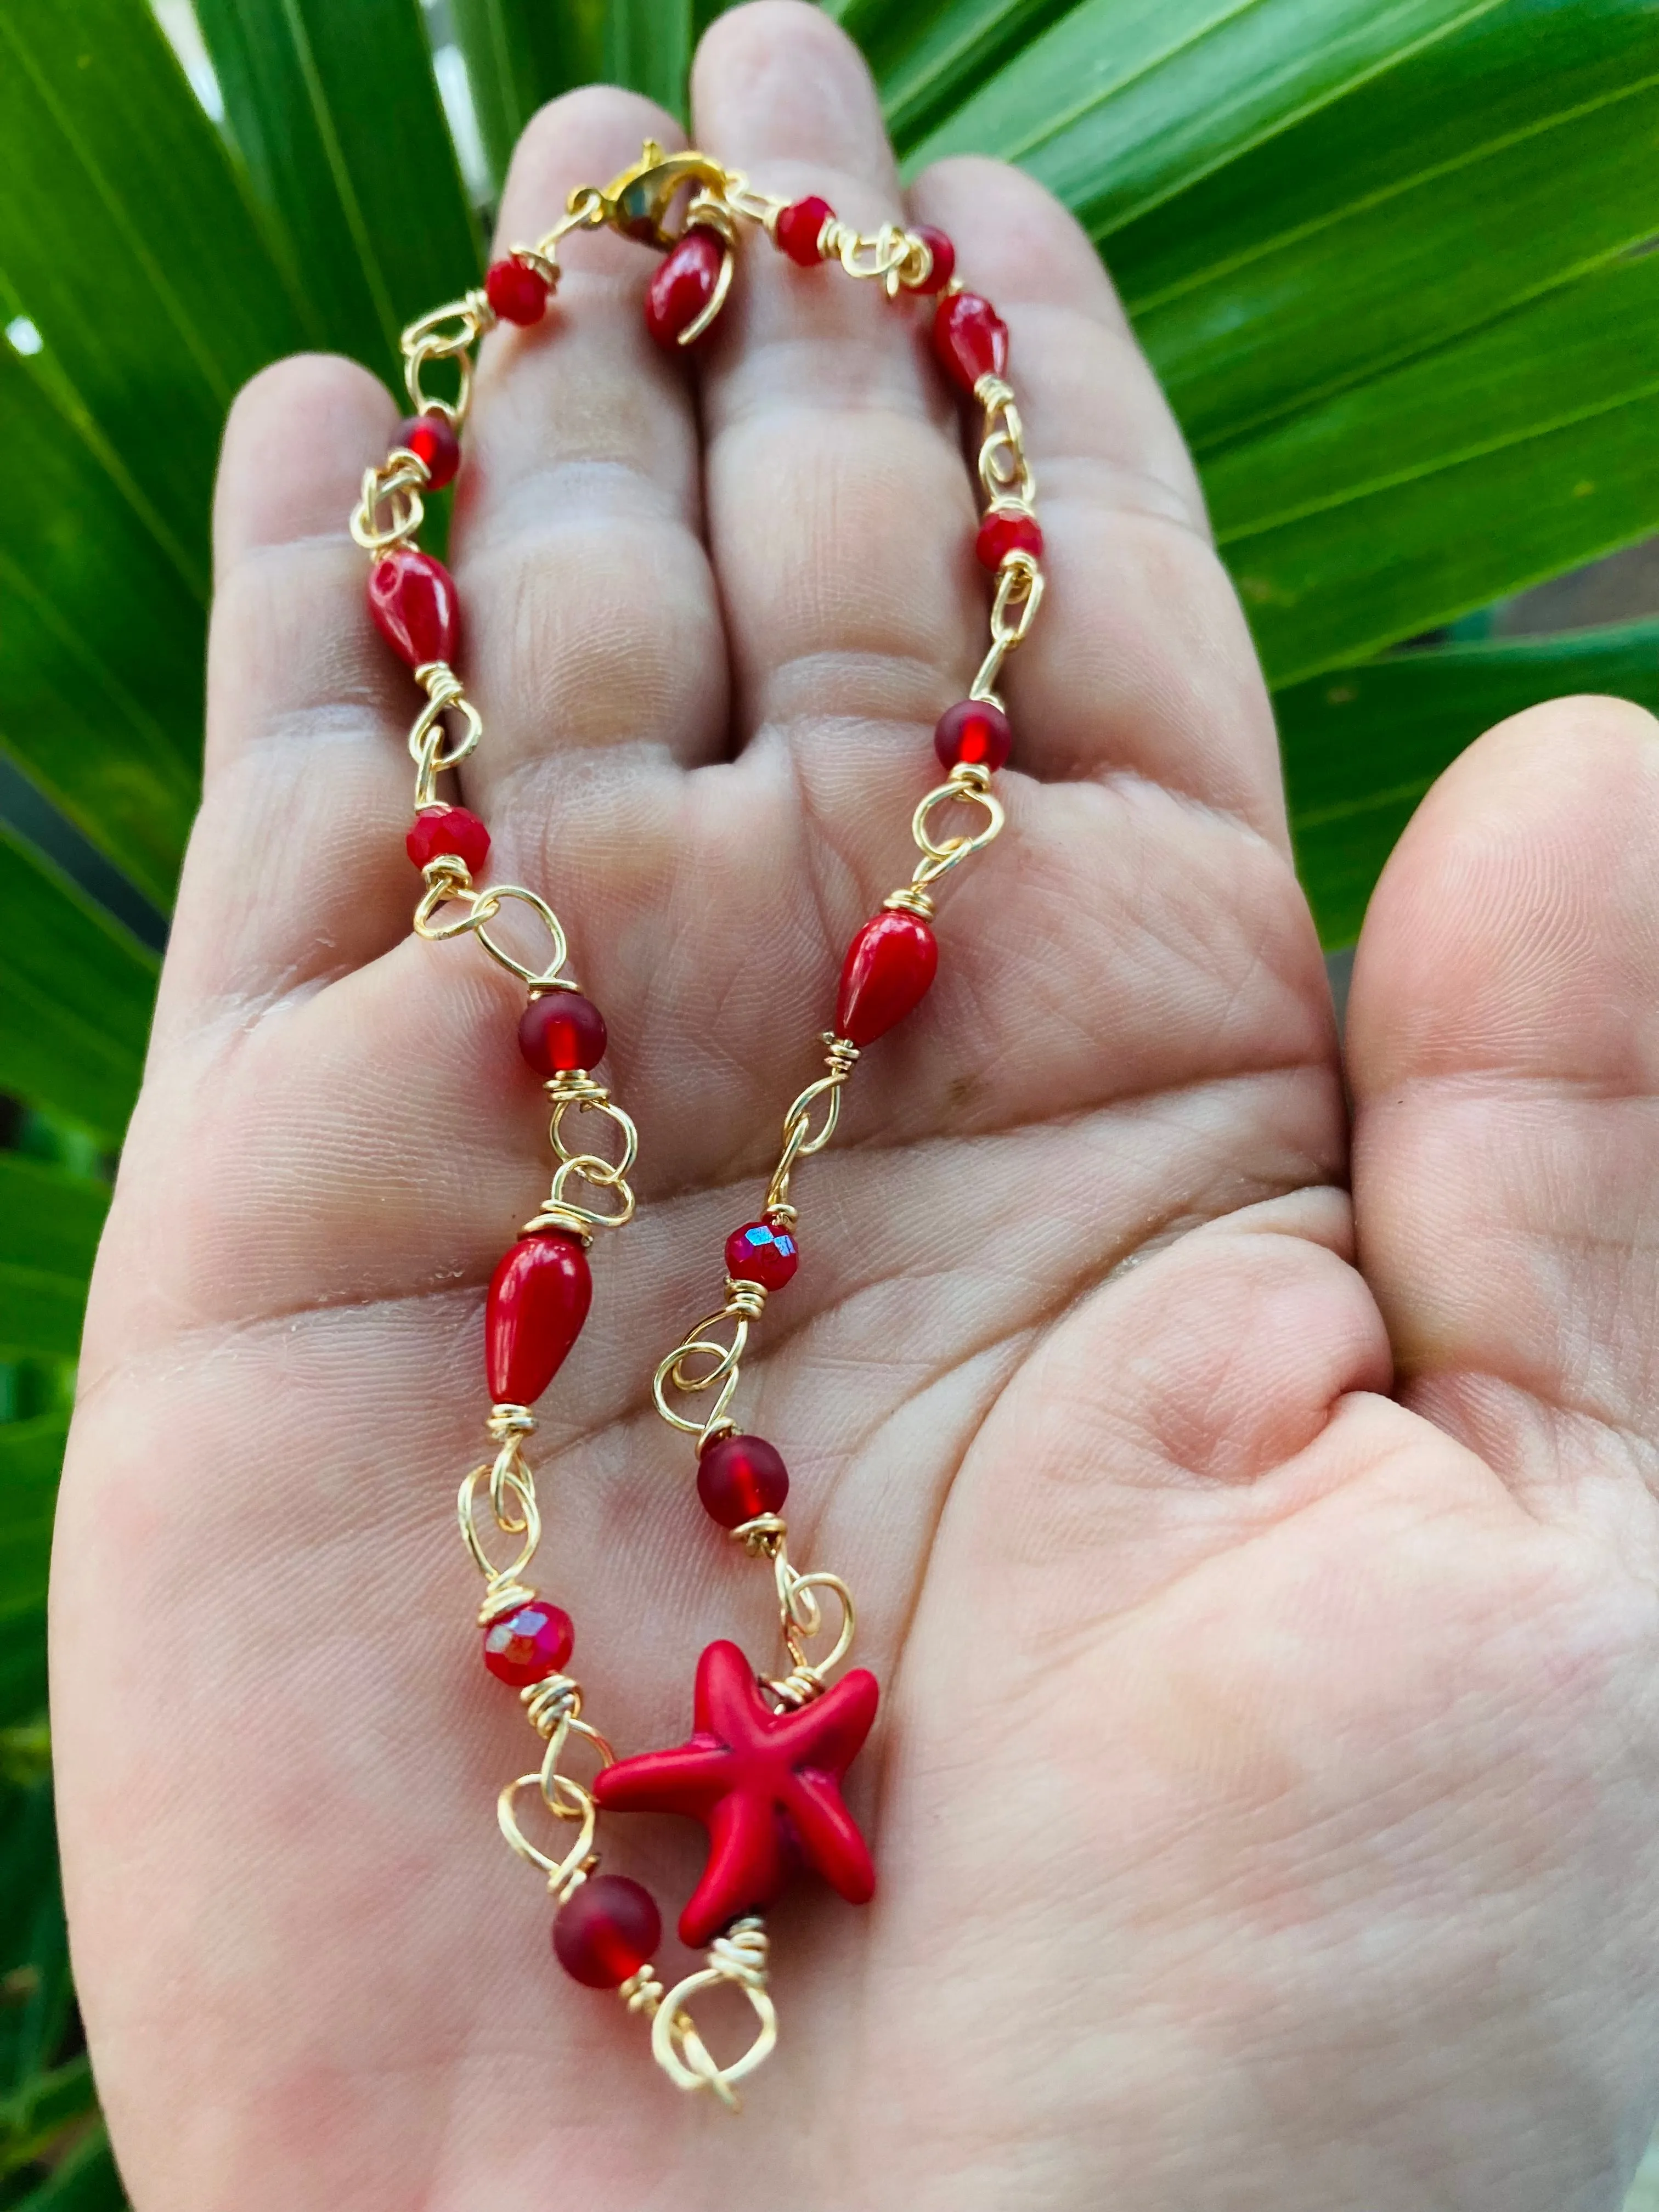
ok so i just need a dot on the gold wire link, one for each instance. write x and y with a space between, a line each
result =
1005 473
883 255
561 1211
939 855
429 745
738 1958
800 1616
483 907
1020 594
565 1798
448 333
800 1139
502 1586
397 485
724 1361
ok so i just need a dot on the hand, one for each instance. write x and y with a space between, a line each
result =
1264 1794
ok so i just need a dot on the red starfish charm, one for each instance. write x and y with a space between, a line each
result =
765 1785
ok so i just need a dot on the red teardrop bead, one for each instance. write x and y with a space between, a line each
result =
517 292
762 1252
970 338
432 439
561 1030
607 1932
798 229
739 1477
529 1644
539 1300
944 257
890 966
974 733
448 829
412 599
683 285
1002 532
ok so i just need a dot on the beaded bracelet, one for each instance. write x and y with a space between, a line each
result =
762 1768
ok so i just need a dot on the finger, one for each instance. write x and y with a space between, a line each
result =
1140 660
295 867
1505 1058
592 620
836 489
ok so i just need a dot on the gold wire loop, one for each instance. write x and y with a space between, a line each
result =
489 904
428 743
448 333
800 1139
502 1586
882 255
565 1798
561 1209
738 1958
396 484
721 1373
941 854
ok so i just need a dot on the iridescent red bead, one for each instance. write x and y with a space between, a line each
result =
799 227
607 1932
440 830
431 438
1005 530
517 292
889 968
683 285
412 598
970 340
740 1478
763 1252
538 1299
974 733
944 257
529 1644
561 1031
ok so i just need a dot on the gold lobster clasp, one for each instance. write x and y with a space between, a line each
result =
636 202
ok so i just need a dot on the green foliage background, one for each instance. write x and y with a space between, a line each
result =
1386 254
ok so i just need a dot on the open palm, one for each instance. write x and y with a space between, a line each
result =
1263 1797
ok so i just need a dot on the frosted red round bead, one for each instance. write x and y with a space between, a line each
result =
432 439
1002 532
888 968
799 227
412 599
538 1299
973 733
944 257
561 1030
607 1932
739 1477
682 286
453 830
970 338
529 1644
762 1252
517 292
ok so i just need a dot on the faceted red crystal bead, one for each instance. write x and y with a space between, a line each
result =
970 338
1002 532
517 292
799 228
683 285
607 1932
412 599
431 438
739 1477
890 966
538 1299
448 829
762 1252
944 257
561 1030
973 733
529 1644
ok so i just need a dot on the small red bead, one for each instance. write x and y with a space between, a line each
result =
973 733
890 966
448 829
412 599
538 1299
683 285
529 1644
944 257
1002 532
970 338
799 228
607 1932
561 1030
517 292
739 1477
432 439
762 1252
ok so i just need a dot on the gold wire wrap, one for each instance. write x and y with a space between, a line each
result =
427 746
556 1706
800 1139
738 1958
397 485
561 1211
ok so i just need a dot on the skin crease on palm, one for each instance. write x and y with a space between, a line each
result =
1263 1588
